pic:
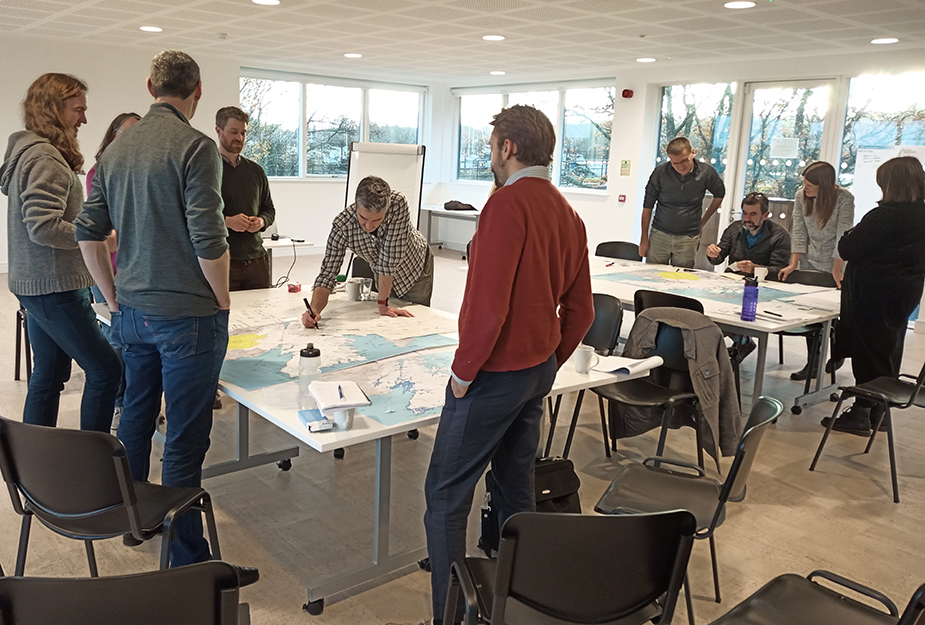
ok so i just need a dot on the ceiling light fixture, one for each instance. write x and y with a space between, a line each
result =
883 41
266 2
493 37
739 4
353 55
645 59
497 73
151 29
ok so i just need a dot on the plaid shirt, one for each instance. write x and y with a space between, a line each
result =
395 248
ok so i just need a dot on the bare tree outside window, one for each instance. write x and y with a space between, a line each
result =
702 113
586 138
393 116
332 123
475 115
272 134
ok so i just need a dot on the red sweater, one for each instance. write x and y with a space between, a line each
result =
528 294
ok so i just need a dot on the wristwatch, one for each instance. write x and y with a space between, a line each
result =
384 302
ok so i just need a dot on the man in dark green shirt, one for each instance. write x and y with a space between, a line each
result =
248 206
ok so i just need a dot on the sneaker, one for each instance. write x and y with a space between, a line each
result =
745 348
116 416
852 421
800 376
834 365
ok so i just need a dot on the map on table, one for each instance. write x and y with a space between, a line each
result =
269 355
697 285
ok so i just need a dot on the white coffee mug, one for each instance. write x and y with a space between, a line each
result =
585 358
343 419
761 273
353 288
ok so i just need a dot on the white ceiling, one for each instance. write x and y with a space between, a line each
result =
427 41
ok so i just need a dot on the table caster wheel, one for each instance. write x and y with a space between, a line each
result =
413 434
833 397
314 607
339 453
284 465
796 409
424 564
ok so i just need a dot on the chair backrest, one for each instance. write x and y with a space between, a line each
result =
359 268
812 277
618 249
765 410
62 472
608 319
199 594
914 614
669 344
590 569
652 299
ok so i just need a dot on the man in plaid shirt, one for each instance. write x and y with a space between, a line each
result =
377 228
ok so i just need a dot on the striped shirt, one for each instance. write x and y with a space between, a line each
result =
395 248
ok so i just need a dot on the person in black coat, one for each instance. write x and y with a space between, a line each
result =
883 283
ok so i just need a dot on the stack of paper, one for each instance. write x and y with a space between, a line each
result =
334 396
627 366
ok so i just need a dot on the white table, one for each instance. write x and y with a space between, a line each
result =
438 212
798 304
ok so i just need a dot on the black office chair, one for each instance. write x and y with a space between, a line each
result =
889 393
643 299
199 594
574 568
359 268
649 487
78 484
602 336
22 332
623 250
793 600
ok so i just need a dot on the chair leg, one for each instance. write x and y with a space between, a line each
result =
28 348
571 427
828 430
715 569
452 598
664 433
780 348
688 600
698 437
91 558
814 365
606 435
600 404
206 508
23 544
889 438
873 434
553 417
166 539
19 325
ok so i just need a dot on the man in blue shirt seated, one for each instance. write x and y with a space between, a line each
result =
753 241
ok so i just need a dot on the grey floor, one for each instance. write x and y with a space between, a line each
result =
314 521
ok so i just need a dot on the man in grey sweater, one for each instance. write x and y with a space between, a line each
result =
160 187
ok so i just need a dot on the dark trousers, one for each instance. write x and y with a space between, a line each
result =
63 327
878 353
250 274
497 422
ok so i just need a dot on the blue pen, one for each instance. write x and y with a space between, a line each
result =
340 391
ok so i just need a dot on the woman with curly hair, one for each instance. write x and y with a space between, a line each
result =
46 271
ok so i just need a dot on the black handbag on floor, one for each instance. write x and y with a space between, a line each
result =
556 487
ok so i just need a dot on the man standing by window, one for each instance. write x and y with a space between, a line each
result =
675 192
248 205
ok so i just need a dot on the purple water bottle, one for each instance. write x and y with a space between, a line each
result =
750 299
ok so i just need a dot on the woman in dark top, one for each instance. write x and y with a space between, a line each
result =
883 283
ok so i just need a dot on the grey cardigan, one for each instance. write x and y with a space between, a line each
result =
45 196
710 371
819 246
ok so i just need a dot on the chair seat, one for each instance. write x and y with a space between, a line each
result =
896 391
643 488
640 392
154 502
794 600
482 572
802 330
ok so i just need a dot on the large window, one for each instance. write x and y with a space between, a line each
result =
582 119
702 113
883 112
304 127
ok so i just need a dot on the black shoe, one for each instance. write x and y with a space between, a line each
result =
130 541
852 421
834 365
247 575
800 376
744 349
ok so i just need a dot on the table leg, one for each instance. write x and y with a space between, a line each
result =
382 562
821 392
243 459
759 366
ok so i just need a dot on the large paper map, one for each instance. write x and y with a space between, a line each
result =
699 285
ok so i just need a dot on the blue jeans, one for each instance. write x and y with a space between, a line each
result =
120 392
63 327
497 421
181 357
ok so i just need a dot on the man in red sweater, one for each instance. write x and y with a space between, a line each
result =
526 307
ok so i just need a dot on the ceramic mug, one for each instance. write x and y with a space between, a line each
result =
353 288
585 358
761 273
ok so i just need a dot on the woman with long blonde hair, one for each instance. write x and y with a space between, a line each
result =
46 271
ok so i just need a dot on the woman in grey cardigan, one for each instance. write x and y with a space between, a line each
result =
822 212
46 270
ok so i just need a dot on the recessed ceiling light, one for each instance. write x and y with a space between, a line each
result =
151 29
353 55
266 2
739 4
646 59
497 73
493 37
884 41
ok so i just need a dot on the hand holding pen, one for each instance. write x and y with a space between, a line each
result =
309 319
